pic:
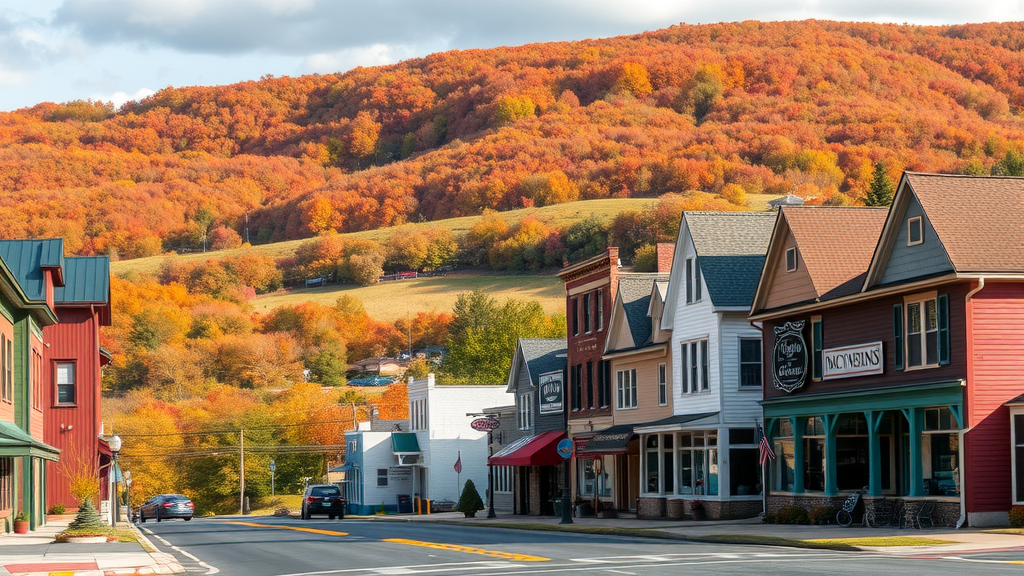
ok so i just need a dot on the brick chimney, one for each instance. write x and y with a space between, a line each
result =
665 252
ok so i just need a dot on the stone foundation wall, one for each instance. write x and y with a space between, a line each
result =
651 507
736 509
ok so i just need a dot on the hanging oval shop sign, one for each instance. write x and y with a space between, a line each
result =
485 424
789 357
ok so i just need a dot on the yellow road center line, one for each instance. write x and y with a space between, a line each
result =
469 550
296 528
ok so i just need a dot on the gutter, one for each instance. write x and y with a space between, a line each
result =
962 436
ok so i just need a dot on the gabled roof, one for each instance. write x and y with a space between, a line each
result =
538 356
86 281
28 258
835 246
631 306
730 249
978 219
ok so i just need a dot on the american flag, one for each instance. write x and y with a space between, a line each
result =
763 445
458 463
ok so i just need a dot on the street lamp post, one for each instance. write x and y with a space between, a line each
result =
115 446
490 477
128 492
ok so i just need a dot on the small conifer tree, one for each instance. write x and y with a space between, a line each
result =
470 501
881 191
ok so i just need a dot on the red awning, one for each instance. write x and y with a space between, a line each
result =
540 450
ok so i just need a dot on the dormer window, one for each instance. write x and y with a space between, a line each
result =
693 285
915 231
791 260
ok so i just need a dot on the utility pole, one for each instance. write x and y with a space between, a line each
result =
241 479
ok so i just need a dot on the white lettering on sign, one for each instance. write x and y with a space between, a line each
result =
850 361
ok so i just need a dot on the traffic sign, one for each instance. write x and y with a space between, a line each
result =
565 448
272 466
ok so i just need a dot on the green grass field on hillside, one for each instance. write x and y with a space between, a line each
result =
389 301
557 216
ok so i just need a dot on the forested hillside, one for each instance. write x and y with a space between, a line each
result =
804 107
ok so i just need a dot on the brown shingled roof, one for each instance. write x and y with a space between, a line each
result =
836 244
979 220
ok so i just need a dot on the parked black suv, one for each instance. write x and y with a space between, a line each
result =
323 499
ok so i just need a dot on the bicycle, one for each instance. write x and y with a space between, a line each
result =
845 515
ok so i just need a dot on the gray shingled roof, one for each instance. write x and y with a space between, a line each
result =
86 280
635 291
543 355
731 248
27 258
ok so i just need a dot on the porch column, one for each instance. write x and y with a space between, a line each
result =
874 419
831 483
798 454
913 416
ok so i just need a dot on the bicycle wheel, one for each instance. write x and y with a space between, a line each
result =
844 518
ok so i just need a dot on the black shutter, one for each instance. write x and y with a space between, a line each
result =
942 309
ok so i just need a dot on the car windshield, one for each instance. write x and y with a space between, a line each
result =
325 491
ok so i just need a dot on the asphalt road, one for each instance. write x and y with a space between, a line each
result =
291 547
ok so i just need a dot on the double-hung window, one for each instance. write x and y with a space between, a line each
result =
526 411
693 288
750 362
922 331
662 385
626 387
694 366
64 372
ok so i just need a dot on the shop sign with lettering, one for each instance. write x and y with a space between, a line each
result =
849 361
551 393
789 357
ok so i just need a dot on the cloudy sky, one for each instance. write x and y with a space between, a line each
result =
117 50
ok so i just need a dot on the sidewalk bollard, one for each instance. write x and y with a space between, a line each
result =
428 505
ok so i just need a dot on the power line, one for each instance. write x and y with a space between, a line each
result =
235 430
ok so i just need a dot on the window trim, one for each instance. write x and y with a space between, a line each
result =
695 365
817 349
1014 468
920 230
588 320
626 389
6 392
524 409
600 310
791 267
741 363
36 379
922 299
662 384
74 382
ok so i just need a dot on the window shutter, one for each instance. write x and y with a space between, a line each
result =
817 341
897 331
942 310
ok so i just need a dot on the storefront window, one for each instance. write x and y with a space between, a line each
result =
744 471
585 477
668 467
604 475
651 457
814 454
784 465
852 463
940 449
698 463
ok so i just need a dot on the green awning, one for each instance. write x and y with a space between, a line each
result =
16 442
889 398
404 443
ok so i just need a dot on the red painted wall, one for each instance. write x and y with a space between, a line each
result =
587 348
72 428
996 377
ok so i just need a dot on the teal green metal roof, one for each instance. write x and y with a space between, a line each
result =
26 260
404 443
86 281
16 442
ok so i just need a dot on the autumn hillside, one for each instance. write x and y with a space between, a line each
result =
730 109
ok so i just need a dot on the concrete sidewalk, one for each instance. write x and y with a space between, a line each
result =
36 553
961 541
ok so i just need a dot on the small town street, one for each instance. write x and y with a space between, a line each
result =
291 547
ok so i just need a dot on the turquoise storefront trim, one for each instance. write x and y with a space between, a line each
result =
908 400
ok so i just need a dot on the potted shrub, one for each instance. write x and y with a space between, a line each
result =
88 527
697 509
21 523
470 500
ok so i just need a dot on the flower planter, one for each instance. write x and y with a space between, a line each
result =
21 526
86 539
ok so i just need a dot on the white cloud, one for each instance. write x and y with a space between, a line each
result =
341 60
119 98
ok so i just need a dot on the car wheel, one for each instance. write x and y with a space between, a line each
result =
157 514
330 516
142 518
341 516
187 519
304 514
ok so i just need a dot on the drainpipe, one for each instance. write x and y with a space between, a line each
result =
963 432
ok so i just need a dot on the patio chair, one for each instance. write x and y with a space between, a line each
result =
880 513
924 514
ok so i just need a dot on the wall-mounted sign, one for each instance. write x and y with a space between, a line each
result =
565 448
551 394
789 357
849 361
399 474
485 424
